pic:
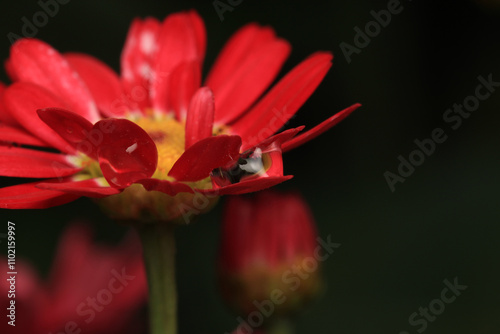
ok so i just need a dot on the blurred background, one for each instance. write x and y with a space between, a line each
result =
397 247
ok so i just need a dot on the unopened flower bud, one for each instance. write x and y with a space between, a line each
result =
266 242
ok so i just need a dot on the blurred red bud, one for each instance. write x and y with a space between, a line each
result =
267 262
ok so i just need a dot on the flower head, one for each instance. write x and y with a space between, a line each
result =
91 288
155 137
267 246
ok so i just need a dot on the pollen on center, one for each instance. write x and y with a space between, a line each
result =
169 137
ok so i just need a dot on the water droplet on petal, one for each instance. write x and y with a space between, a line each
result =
131 148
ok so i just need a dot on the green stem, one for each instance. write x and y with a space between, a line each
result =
158 242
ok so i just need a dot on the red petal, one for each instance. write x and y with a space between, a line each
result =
285 224
246 67
88 188
10 71
264 160
236 49
238 221
246 186
37 62
181 85
74 251
200 117
81 269
278 139
319 129
5 116
164 186
276 168
23 99
284 99
181 39
201 158
21 162
11 134
272 147
27 196
102 82
75 129
126 152
200 35
141 47
250 80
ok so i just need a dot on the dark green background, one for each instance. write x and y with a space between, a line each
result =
397 248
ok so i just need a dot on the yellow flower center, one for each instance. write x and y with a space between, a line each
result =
169 137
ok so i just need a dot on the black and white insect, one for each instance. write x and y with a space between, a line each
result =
249 163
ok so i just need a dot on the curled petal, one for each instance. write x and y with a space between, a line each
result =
201 158
125 152
75 129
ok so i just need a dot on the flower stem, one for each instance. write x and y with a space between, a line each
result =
158 242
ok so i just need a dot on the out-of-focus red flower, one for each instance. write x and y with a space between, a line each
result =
157 126
268 262
95 289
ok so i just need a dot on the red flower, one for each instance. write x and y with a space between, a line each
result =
268 256
157 126
96 289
